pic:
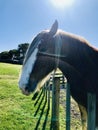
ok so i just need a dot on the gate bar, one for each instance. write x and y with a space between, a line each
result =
68 107
91 111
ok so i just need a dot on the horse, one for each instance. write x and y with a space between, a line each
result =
73 55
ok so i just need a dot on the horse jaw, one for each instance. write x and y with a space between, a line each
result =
42 82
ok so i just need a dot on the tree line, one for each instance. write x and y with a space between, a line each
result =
15 56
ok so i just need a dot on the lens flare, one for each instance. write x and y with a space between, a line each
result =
62 3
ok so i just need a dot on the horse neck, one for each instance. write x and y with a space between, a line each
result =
71 68
68 70
93 54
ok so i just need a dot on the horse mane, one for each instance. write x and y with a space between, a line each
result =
75 37
80 43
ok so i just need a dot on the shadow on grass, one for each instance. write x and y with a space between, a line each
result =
38 98
44 101
46 118
41 114
37 94
40 103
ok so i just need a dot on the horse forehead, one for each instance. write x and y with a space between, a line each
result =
36 41
31 49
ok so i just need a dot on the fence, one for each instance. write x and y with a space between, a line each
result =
54 85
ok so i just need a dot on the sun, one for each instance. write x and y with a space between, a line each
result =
62 3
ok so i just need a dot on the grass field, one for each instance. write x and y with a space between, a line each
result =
19 112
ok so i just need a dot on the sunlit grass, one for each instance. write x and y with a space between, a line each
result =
16 110
19 112
9 69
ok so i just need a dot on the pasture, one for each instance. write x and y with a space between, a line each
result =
19 112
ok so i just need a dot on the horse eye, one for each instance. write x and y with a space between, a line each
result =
42 48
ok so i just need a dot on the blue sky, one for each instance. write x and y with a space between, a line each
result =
21 20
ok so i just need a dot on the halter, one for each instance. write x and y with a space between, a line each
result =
51 54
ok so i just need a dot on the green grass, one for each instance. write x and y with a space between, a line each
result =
18 112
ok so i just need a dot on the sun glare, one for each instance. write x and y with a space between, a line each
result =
62 3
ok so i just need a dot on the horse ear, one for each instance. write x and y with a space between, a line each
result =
54 28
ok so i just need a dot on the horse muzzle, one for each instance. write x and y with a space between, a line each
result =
29 88
25 92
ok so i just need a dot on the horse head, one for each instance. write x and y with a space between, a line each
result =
37 66
55 48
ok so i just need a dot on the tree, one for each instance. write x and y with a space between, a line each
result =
14 54
22 48
4 55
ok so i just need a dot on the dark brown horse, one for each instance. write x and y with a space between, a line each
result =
73 55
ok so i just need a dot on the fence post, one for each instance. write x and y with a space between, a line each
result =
68 107
55 103
91 111
48 96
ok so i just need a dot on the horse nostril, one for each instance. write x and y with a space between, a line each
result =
26 88
25 91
